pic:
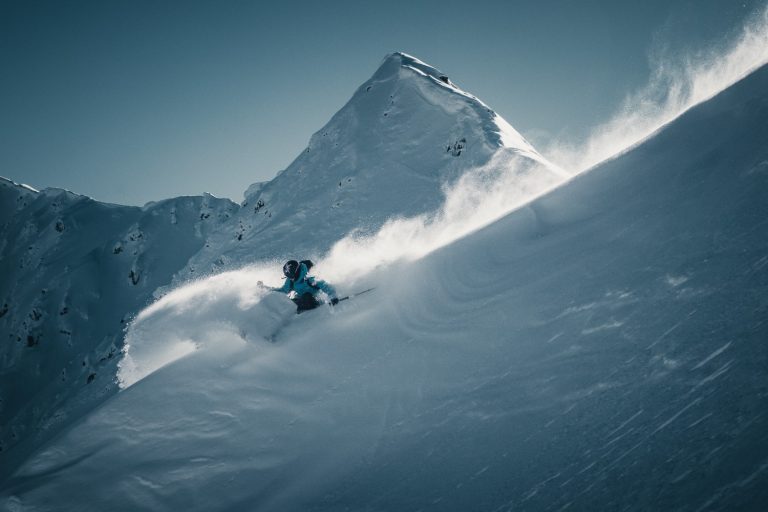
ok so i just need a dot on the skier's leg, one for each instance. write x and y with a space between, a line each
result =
305 302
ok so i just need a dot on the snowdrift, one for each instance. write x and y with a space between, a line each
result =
602 348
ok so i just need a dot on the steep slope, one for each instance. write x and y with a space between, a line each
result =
600 349
73 271
403 135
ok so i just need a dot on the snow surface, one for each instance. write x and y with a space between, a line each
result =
601 348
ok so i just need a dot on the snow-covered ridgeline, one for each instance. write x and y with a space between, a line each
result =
600 348
74 270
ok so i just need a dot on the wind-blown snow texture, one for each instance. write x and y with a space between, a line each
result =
602 348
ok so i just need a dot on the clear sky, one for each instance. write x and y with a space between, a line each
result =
131 101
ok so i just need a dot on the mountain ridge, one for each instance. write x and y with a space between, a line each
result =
74 271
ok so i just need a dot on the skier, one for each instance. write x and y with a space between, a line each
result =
301 288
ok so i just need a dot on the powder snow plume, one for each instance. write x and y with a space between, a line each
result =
676 85
214 313
481 196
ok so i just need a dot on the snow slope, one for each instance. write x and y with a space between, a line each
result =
73 271
602 348
404 135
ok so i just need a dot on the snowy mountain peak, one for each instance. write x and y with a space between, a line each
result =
402 65
392 64
405 134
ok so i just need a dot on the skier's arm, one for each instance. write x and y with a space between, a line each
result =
322 285
284 289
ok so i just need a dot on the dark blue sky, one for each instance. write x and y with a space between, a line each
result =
135 101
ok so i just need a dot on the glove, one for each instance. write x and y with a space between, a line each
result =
334 301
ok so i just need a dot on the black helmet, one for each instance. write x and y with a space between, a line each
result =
291 269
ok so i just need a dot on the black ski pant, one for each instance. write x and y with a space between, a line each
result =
305 302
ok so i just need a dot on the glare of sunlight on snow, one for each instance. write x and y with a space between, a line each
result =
674 88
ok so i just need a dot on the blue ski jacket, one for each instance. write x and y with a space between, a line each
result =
306 284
